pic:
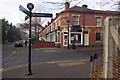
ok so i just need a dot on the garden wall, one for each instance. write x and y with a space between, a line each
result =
44 44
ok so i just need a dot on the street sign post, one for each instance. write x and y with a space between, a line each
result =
30 6
29 13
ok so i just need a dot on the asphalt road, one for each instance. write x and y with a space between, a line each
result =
47 62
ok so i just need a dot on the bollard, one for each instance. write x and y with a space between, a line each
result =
73 45
95 61
91 70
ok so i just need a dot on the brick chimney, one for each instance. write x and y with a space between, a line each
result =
84 6
67 5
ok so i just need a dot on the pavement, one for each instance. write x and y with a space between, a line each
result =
51 69
53 49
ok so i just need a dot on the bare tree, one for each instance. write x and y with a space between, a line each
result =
36 26
111 4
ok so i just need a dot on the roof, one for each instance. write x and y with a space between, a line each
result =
87 10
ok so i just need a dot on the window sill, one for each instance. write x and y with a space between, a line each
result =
57 42
98 26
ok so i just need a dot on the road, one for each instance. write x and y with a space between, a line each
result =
47 62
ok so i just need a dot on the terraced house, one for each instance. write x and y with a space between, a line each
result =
85 28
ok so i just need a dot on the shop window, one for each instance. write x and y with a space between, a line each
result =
98 36
75 38
98 21
116 22
75 20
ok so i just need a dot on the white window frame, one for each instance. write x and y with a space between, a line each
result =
59 22
77 20
100 21
100 37
57 37
76 33
55 24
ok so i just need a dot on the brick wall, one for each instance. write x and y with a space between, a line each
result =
44 44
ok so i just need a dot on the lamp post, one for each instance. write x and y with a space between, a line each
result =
30 6
68 22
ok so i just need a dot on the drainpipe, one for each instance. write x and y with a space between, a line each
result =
83 27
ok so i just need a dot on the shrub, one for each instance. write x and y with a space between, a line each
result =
33 39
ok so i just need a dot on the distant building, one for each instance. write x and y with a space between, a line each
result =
85 28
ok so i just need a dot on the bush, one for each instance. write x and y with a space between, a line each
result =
33 39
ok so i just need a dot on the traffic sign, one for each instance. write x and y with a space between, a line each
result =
21 8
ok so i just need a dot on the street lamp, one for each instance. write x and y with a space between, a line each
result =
30 6
68 22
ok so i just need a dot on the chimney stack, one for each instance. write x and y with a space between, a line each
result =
67 5
84 6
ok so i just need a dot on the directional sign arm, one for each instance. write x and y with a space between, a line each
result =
42 15
39 15
21 8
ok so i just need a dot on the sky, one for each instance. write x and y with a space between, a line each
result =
9 9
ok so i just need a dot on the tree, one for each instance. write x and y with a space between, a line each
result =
9 32
5 26
36 26
110 4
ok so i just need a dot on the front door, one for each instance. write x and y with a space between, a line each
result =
65 39
86 40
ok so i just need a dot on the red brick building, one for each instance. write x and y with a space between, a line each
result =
85 28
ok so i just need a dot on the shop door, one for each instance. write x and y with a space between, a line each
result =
65 39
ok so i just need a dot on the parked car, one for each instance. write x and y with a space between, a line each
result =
19 44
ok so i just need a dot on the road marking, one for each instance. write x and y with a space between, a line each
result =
60 63
15 51
50 51
1 70
70 64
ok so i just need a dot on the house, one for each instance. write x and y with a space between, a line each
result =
85 28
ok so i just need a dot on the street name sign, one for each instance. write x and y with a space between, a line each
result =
21 8
39 15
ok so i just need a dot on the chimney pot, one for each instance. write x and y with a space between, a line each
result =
67 5
84 6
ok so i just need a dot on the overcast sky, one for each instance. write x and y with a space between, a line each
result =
9 9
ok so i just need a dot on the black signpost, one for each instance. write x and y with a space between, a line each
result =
29 13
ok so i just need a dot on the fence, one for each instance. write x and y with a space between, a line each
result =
116 67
